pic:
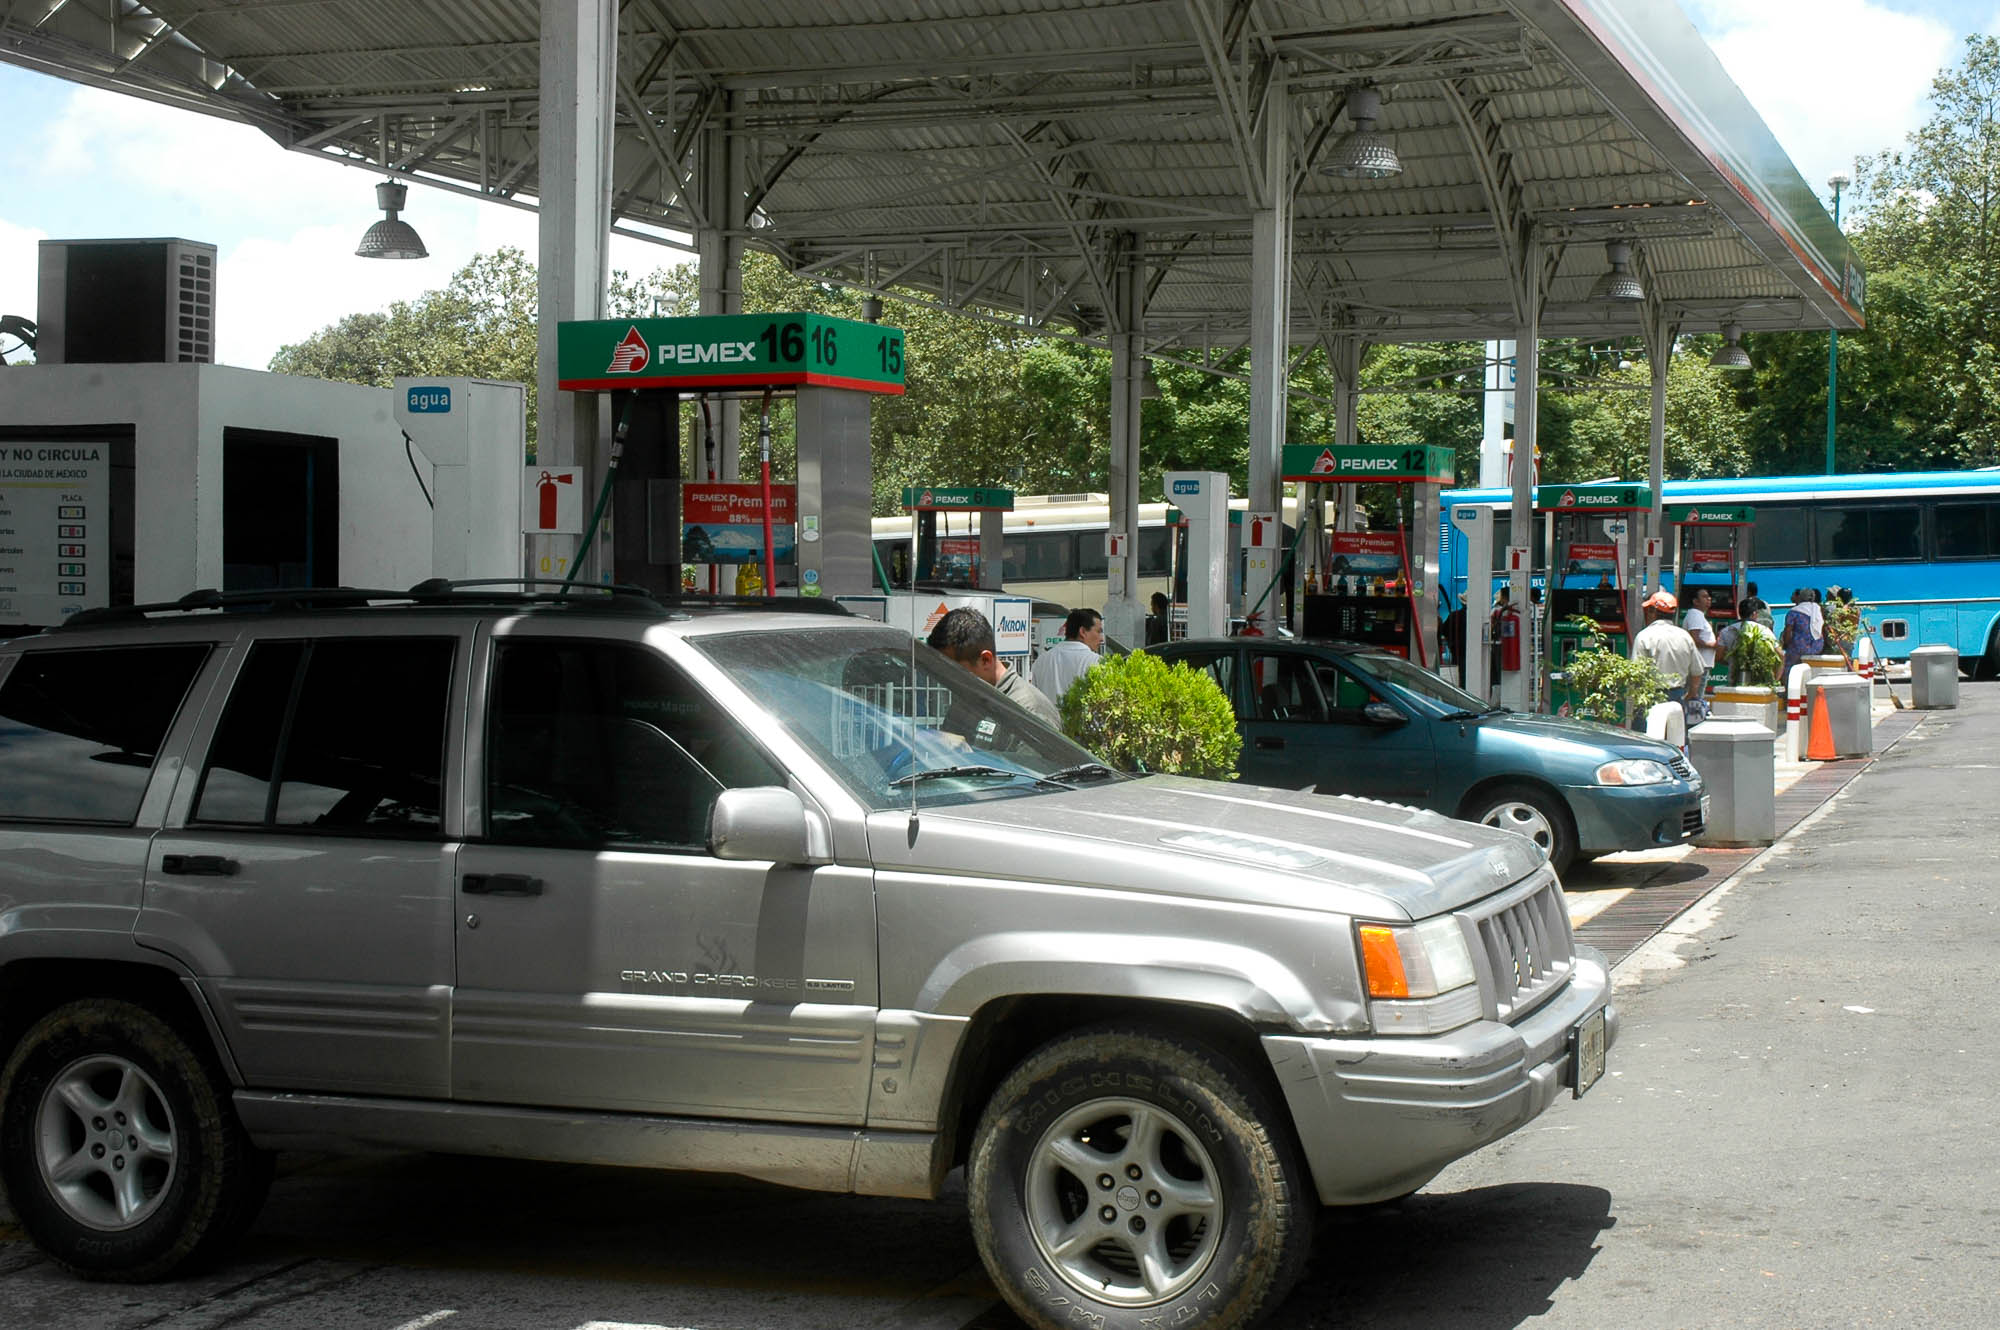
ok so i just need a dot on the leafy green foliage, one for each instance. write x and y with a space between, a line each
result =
1137 713
482 324
1612 688
1754 659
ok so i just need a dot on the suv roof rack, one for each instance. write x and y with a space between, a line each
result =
521 591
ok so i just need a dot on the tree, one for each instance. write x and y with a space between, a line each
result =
482 325
1919 387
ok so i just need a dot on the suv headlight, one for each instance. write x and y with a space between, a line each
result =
1634 771
1419 977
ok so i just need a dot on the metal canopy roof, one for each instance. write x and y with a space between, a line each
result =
998 153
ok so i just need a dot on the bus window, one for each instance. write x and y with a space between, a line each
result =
1868 535
1156 551
1091 560
1968 530
1779 536
1039 556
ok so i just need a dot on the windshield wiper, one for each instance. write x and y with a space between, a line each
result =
1082 771
955 773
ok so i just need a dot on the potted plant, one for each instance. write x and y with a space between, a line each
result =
1755 665
1609 687
1137 713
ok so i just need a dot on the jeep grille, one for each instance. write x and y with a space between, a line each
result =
1525 948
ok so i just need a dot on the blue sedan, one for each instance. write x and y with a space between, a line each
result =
1345 719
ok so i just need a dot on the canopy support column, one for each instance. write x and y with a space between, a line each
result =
1124 615
1515 690
578 55
1270 295
719 254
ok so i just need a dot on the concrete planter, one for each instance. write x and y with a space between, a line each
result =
1766 706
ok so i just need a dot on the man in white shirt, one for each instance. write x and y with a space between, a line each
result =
1699 628
1670 648
1068 660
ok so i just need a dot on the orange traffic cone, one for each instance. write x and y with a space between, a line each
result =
1819 738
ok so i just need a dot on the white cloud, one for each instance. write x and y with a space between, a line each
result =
1834 79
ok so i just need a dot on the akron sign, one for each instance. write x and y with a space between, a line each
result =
729 351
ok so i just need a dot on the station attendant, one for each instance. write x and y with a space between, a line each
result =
1070 659
966 636
1671 649
1699 628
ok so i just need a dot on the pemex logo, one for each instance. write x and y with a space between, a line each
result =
1325 464
1568 499
631 355
924 499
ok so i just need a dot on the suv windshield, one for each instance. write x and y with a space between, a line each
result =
895 723
1393 669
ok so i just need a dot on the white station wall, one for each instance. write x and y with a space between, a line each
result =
178 413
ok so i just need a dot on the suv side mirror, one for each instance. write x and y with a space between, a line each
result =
765 822
1381 713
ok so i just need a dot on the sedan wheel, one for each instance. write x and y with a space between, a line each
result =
1529 812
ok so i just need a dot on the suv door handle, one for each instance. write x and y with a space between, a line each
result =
500 884
1268 742
198 865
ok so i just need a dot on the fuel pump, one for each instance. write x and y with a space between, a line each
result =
1377 587
1712 552
1588 565
829 366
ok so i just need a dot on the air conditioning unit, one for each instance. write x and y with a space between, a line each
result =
126 302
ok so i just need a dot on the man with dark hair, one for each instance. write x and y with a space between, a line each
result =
967 637
1159 622
1070 659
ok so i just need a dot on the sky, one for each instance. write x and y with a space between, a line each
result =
1834 79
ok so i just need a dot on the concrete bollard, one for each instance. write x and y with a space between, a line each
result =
1737 760
1795 712
1738 701
1838 710
1934 677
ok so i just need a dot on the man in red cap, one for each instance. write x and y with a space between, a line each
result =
1672 650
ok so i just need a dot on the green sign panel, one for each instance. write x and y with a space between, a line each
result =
1328 464
959 499
729 351
1710 514
1592 498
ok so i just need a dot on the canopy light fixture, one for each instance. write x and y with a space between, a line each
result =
1619 283
1149 384
1364 153
391 238
1730 355
871 309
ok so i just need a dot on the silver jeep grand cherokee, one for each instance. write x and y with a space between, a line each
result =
769 893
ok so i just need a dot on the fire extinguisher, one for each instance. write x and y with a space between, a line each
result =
1510 638
546 488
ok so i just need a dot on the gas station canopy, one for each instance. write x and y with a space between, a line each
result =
1008 156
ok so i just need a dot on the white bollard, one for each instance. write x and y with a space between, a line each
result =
1667 722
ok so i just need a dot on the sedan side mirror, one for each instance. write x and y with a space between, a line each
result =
1381 713
767 822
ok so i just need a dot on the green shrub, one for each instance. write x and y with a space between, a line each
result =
1610 687
1754 659
1138 714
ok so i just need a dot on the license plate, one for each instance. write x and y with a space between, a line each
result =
1704 810
1586 1054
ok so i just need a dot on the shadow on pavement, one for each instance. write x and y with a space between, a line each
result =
1483 1259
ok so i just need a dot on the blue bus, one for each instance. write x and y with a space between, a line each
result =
1920 550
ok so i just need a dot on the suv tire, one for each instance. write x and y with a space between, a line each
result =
1130 1178
119 1148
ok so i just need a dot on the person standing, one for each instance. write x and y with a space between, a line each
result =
1159 623
1699 628
1804 633
1070 659
1671 649
966 636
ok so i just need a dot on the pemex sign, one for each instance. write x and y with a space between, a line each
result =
729 351
1362 462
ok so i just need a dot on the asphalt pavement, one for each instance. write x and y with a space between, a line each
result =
1796 1129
